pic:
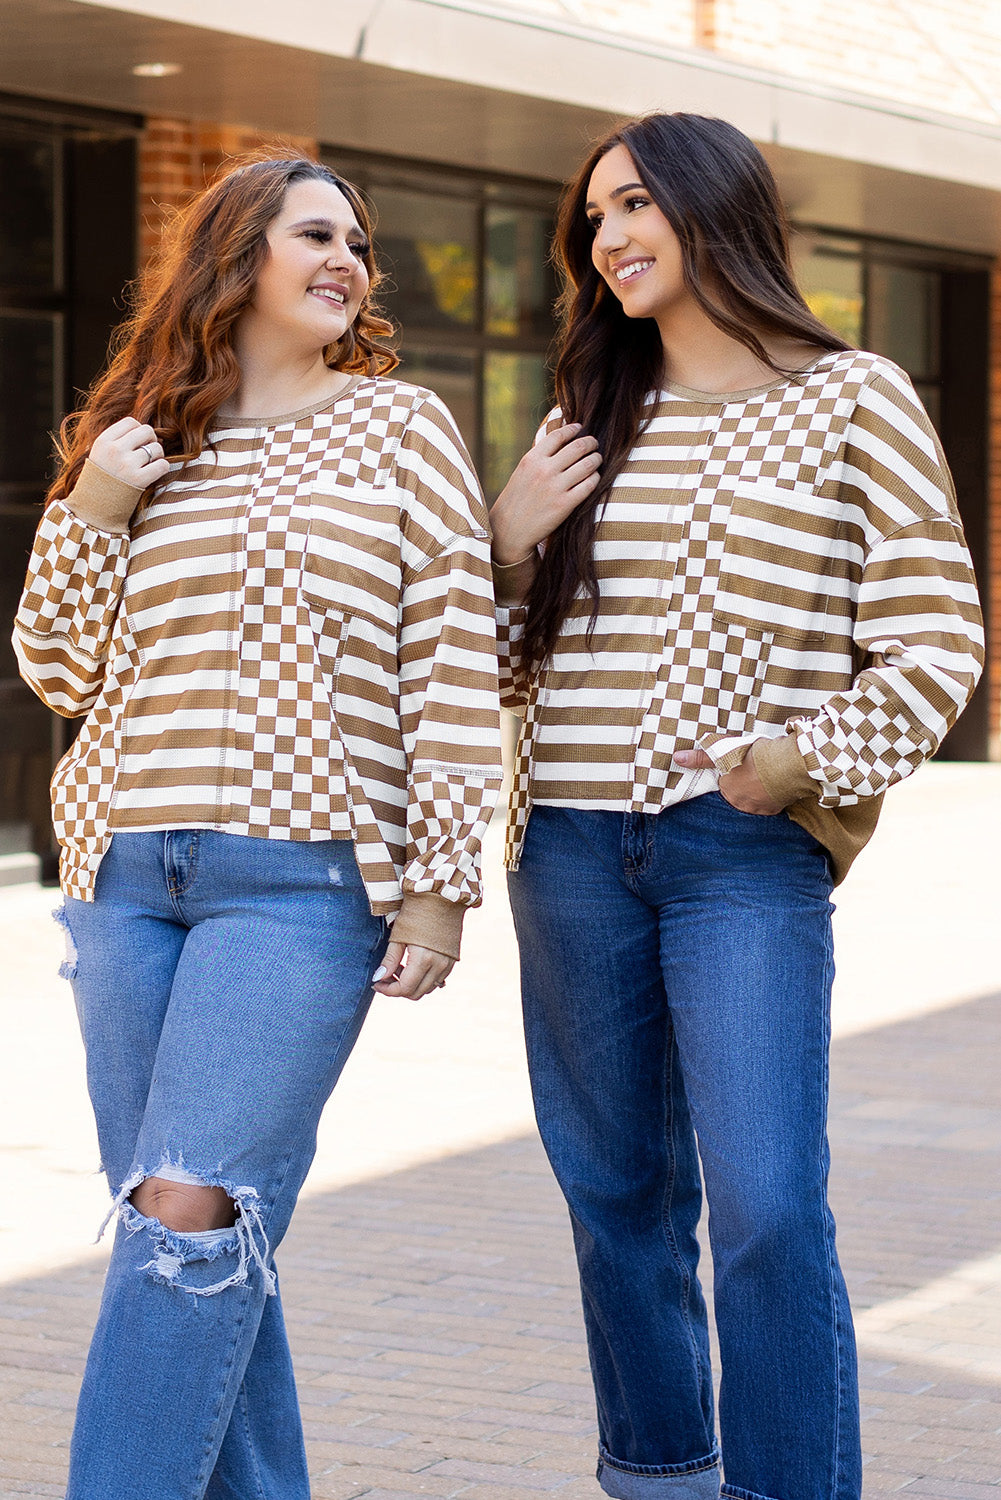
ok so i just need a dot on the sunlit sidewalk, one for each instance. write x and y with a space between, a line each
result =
428 1273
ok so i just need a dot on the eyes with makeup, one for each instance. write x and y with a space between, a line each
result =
631 204
359 246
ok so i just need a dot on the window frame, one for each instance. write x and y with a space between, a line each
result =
372 172
870 252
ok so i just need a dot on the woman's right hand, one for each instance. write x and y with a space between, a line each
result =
551 480
130 451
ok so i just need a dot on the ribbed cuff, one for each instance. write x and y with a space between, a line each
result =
782 770
511 584
429 921
98 499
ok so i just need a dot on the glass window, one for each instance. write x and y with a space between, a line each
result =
470 285
880 298
27 211
520 288
515 399
27 397
453 378
427 247
832 284
903 317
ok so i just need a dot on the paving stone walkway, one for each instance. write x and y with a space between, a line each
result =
436 1328
434 1315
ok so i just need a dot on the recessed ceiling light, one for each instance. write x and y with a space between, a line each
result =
156 70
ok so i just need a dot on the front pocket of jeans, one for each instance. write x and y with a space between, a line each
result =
742 813
785 565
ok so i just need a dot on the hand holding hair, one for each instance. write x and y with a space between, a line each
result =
130 452
551 480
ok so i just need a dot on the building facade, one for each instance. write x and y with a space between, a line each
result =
881 118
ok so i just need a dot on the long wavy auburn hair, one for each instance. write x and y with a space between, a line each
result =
718 194
173 364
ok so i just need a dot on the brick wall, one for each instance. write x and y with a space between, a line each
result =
178 157
935 54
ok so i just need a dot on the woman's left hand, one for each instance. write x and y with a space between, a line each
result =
410 971
742 787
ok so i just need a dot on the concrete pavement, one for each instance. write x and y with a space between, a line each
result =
428 1276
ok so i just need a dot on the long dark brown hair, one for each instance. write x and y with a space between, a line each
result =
717 192
172 363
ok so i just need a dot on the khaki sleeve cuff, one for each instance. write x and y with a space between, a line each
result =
429 921
511 585
782 770
99 499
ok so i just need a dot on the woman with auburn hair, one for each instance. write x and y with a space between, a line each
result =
736 606
263 576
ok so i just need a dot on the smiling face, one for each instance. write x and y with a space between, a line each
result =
314 280
635 249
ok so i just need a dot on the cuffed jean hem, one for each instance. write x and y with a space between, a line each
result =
698 1480
729 1492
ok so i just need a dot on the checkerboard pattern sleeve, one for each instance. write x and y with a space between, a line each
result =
68 611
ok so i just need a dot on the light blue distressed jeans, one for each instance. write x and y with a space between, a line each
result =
221 982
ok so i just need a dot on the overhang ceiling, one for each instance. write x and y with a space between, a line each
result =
501 90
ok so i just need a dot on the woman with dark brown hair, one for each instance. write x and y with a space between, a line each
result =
263 576
736 606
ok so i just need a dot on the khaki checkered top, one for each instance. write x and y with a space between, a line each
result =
296 641
783 566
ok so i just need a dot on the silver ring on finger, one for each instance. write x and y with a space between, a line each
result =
149 456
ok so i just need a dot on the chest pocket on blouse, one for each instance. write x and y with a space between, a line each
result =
785 564
351 555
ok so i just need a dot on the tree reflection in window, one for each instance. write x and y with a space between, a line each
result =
427 247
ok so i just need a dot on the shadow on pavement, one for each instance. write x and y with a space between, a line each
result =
436 1327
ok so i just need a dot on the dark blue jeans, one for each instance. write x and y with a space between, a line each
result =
676 972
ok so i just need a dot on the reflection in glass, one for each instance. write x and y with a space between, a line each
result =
903 317
450 376
27 212
519 283
427 246
515 398
27 408
832 285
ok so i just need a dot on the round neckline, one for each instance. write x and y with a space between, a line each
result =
228 424
672 388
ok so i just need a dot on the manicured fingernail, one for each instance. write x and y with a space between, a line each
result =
379 973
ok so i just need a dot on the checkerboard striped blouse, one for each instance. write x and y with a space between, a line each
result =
296 641
783 566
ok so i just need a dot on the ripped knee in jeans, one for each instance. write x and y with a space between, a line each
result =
180 1255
